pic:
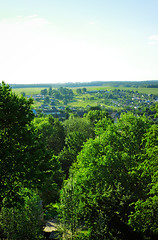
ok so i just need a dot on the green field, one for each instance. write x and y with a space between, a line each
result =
28 91
140 90
33 91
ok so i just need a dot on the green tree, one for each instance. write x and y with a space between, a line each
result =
84 90
78 91
105 182
47 100
81 125
144 218
23 221
51 133
95 115
44 92
77 131
73 145
52 182
19 149
50 91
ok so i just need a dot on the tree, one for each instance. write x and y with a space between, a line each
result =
51 136
84 90
19 148
95 114
51 133
23 221
50 189
105 181
73 145
50 91
47 100
44 91
78 91
81 125
24 163
145 215
77 131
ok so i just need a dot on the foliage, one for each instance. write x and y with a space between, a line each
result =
81 125
105 182
102 125
95 115
51 136
145 215
50 189
77 131
50 132
73 145
20 150
44 91
23 221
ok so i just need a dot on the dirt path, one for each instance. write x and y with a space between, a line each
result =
51 226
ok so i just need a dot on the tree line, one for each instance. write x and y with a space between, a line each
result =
89 84
101 175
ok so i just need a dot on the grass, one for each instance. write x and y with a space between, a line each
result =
33 91
140 90
27 91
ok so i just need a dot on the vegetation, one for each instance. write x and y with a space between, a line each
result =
97 172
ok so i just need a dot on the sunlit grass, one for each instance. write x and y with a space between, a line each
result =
27 91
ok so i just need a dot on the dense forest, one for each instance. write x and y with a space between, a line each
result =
97 177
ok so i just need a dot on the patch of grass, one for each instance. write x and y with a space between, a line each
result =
27 91
139 89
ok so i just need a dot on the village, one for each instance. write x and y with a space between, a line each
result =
60 103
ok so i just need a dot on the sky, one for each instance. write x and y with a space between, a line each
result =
57 41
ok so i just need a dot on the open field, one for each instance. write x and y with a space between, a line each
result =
33 91
140 90
28 91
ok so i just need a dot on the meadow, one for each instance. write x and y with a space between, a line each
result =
34 91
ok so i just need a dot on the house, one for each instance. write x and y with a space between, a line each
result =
34 111
94 91
61 108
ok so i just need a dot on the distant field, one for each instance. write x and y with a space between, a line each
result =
33 91
140 90
28 91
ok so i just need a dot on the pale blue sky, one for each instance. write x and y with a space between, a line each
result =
78 40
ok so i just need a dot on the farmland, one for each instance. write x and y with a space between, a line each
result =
114 98
33 91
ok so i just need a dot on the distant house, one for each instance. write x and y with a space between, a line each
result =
44 106
61 108
55 113
34 111
51 111
28 96
94 91
38 96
